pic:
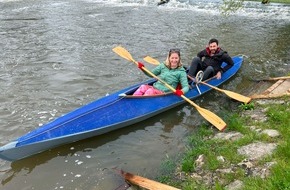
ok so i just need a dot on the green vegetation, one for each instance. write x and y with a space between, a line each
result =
203 143
230 6
249 106
274 1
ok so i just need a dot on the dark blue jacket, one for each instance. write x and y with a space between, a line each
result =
216 60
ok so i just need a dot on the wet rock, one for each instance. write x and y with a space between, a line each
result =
257 150
271 132
260 171
270 101
209 178
228 136
270 164
246 164
256 115
200 161
225 170
196 176
254 128
235 185
221 158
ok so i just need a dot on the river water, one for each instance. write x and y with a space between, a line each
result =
56 55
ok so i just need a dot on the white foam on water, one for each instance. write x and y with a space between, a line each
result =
256 10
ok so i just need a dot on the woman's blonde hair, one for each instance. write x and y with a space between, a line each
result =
171 51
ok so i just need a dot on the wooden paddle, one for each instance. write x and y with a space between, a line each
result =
208 115
145 182
272 79
231 94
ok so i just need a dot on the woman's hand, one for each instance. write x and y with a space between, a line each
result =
140 65
179 92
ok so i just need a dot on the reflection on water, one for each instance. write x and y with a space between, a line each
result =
57 56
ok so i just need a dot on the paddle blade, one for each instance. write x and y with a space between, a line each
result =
151 60
237 96
145 182
208 115
124 53
231 94
212 118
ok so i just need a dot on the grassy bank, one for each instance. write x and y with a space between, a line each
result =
276 115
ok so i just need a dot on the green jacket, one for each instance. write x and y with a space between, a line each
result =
171 76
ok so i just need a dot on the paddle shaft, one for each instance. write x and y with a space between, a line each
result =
167 85
231 94
275 78
209 116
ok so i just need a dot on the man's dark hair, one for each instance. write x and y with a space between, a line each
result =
213 40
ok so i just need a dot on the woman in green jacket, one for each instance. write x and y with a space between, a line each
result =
171 72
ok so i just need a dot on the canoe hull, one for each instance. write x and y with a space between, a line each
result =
102 116
12 152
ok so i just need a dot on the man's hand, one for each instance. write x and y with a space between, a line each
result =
219 75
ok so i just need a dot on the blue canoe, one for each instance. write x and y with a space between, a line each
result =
101 116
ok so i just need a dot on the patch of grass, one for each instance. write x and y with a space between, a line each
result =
190 185
212 148
279 116
283 149
196 146
202 143
281 176
249 106
235 123
279 179
167 169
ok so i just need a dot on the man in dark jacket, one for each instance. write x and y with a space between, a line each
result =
210 61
